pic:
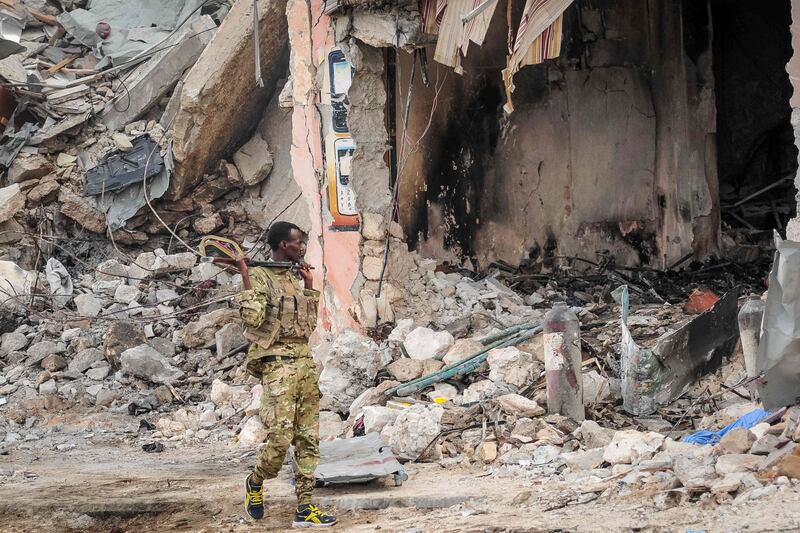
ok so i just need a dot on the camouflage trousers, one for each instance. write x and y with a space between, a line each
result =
290 412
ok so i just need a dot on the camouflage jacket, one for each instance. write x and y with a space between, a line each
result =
279 315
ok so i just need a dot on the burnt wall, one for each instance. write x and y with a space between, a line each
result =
593 159
753 90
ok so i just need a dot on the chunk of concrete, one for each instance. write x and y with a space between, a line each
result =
119 337
12 199
737 440
88 305
517 405
511 366
253 433
377 417
350 364
487 451
13 342
228 338
695 473
146 363
151 81
424 343
202 332
331 426
84 359
462 349
218 99
82 210
53 363
631 447
253 160
405 369
584 459
29 167
414 430
737 462
220 393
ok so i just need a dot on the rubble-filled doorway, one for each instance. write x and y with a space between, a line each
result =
757 155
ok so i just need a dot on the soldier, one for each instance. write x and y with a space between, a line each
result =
280 315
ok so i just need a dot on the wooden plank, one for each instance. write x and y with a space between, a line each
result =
63 63
44 18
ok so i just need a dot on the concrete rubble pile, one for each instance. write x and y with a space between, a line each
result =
102 119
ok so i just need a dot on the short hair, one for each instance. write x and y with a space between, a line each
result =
280 231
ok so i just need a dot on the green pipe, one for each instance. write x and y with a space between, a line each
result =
468 365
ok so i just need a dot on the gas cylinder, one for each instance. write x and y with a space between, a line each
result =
750 317
562 362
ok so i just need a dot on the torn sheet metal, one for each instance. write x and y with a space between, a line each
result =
778 359
10 35
652 377
127 19
357 460
123 205
121 169
60 282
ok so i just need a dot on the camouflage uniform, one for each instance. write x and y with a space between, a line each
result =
280 315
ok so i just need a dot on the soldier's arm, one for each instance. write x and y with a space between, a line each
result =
254 301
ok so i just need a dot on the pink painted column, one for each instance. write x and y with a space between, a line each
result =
334 254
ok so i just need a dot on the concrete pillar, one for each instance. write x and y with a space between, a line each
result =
793 69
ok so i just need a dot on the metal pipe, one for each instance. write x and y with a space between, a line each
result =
477 11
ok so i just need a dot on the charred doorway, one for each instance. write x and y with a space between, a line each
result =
757 155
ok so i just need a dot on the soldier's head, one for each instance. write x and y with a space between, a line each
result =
286 241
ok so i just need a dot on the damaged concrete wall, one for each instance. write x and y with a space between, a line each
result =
593 158
222 84
793 69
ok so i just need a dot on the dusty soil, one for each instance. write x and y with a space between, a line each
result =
107 484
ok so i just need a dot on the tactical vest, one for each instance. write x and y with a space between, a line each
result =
289 315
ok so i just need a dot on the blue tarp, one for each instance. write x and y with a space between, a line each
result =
712 437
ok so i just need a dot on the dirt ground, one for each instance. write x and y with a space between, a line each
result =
107 483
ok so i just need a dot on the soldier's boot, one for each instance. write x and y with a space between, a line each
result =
310 516
253 499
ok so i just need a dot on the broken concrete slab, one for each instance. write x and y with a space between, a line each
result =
151 81
82 210
29 167
218 99
350 364
253 160
146 363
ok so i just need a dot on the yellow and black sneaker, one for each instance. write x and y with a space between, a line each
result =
312 516
253 498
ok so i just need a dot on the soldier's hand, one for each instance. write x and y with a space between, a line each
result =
305 272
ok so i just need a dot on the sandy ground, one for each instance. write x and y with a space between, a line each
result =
107 483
